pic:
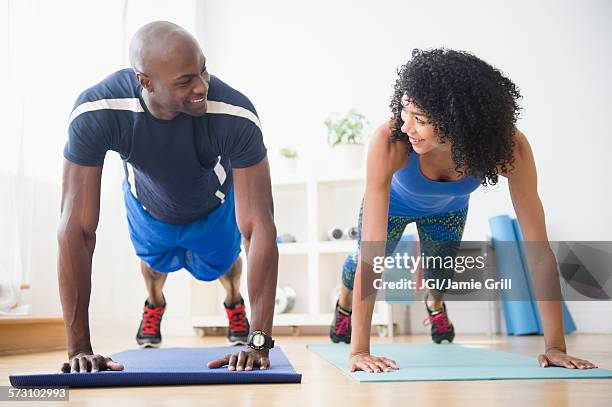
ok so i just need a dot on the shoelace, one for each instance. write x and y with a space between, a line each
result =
237 318
439 321
342 324
152 319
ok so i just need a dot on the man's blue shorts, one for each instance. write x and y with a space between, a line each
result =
207 248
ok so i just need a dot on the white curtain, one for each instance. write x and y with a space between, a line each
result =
51 51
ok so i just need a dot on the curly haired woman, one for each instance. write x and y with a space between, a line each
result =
453 129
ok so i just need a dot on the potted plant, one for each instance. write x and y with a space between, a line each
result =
289 160
345 135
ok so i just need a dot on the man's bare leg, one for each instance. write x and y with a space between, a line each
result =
154 282
231 282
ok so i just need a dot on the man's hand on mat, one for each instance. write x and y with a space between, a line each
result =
562 359
371 364
85 362
245 360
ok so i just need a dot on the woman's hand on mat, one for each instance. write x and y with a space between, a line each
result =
371 364
562 359
86 362
245 360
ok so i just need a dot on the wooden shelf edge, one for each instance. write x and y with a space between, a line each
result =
29 319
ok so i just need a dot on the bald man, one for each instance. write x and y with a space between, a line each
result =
196 181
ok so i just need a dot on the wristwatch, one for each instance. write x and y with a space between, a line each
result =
258 340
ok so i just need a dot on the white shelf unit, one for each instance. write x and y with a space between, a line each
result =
306 207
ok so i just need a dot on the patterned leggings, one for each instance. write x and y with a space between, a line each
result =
446 228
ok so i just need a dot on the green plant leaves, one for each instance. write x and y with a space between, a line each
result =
346 129
288 153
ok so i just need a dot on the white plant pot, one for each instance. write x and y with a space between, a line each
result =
348 157
288 165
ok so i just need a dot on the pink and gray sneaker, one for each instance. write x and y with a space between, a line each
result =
441 327
340 330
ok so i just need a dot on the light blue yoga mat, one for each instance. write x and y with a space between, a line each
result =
427 362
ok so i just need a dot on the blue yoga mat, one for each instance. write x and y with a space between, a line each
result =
171 366
522 317
431 362
568 322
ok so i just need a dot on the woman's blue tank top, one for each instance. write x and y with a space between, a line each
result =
412 194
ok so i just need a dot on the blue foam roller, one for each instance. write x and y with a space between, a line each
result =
171 366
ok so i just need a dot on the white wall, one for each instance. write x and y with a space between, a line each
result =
300 60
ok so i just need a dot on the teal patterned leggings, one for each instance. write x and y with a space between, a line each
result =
445 228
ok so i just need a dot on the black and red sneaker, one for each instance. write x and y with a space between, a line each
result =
149 332
441 327
340 329
238 331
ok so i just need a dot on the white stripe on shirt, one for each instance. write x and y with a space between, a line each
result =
131 104
225 108
220 171
131 178
220 195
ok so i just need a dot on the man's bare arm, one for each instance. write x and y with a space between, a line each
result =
76 236
255 217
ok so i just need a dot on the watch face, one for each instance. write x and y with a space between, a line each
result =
258 340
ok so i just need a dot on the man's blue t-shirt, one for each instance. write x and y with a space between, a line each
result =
180 170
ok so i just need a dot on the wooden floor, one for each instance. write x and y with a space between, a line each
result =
322 384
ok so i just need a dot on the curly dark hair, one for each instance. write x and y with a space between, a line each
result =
468 102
